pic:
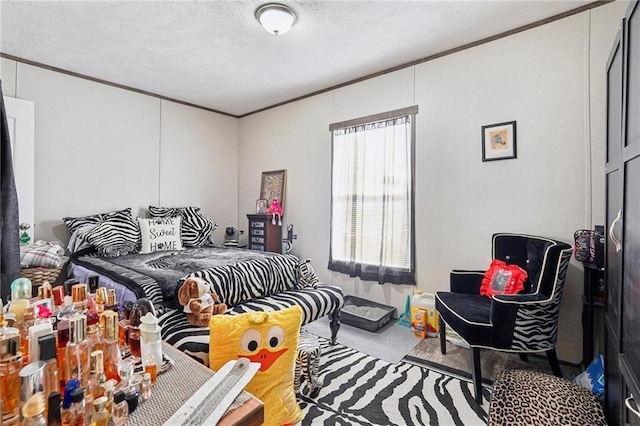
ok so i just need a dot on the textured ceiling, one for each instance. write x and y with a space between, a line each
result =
216 55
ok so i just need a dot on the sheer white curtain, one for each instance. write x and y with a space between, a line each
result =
372 201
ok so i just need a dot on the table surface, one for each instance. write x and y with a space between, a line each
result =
176 385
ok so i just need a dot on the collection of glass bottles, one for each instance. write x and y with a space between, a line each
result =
61 355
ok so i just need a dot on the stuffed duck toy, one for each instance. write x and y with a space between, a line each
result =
268 338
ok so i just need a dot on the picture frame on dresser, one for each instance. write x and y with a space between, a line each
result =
273 184
261 206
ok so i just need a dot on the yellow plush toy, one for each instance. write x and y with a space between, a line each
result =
271 339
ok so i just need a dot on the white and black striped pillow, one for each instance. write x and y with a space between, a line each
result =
308 277
196 228
116 236
75 223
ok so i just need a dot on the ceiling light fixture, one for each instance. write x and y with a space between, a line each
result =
276 18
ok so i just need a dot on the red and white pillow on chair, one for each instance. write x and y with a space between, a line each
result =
501 278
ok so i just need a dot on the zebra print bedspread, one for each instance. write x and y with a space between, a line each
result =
156 275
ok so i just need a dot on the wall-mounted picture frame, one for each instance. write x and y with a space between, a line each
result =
261 206
273 184
499 141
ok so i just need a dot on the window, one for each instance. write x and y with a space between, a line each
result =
372 190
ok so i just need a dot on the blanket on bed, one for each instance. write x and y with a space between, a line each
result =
157 275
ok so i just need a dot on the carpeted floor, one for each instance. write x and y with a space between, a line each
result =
390 343
360 390
457 361
393 343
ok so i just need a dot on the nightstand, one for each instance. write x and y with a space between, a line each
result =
263 234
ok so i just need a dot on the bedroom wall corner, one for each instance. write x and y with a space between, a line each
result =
8 76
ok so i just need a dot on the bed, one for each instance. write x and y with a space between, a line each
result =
245 280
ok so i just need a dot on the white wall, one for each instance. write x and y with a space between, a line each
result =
100 148
541 78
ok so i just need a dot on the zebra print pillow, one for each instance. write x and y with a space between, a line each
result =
196 228
244 281
75 223
116 236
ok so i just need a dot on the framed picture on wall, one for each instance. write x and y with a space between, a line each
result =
273 185
499 141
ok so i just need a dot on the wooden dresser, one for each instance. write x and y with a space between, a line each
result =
264 235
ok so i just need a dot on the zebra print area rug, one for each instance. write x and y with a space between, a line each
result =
359 389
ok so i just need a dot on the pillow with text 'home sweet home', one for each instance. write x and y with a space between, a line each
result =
160 234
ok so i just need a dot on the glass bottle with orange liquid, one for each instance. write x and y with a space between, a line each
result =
10 365
77 354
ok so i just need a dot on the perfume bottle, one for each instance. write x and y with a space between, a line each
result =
65 411
101 415
29 319
10 365
21 289
101 299
45 291
48 356
78 408
151 368
109 389
58 298
110 345
145 392
33 411
112 303
62 334
31 380
43 328
120 409
53 409
94 388
77 353
93 283
93 331
151 343
79 296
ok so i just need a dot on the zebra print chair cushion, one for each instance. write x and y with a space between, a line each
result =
196 228
194 341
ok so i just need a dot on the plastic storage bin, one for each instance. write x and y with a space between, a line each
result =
365 314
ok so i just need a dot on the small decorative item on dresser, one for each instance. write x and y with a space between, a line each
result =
261 206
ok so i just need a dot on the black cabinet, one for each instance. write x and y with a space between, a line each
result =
622 266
